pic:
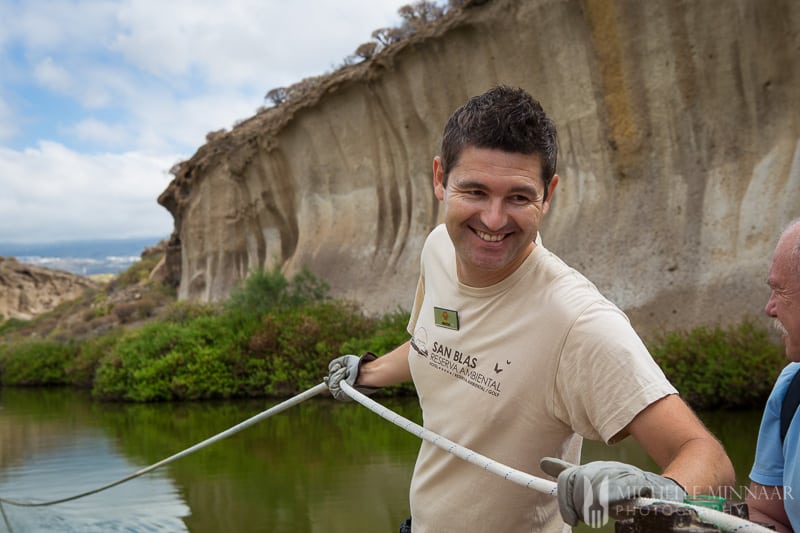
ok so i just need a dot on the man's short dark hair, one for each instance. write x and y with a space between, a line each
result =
502 118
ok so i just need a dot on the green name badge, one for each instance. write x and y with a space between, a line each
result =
447 318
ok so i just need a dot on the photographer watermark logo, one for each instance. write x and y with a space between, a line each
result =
595 503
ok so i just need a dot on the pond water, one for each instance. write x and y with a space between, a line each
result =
321 466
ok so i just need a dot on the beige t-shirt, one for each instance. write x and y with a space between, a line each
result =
516 371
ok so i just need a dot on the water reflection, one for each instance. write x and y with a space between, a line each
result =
49 453
321 466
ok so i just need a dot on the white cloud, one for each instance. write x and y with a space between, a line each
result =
59 25
53 193
102 133
7 121
248 42
148 79
166 121
52 76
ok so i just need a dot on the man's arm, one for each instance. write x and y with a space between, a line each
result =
685 450
674 438
389 369
765 504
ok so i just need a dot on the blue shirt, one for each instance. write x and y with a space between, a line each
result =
777 465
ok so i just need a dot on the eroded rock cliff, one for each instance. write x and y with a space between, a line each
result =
27 290
679 129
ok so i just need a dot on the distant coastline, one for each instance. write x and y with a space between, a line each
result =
83 257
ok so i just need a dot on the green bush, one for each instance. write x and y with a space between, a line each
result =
264 341
36 363
306 338
139 272
11 325
388 333
229 354
262 291
155 362
723 368
80 371
180 312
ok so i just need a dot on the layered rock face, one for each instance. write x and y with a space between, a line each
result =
27 290
679 128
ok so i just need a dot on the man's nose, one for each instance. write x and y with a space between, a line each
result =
494 214
769 309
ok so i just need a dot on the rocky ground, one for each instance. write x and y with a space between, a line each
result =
40 303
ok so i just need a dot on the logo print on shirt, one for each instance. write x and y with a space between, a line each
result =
462 366
419 342
497 368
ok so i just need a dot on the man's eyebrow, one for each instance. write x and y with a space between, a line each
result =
472 184
469 184
532 191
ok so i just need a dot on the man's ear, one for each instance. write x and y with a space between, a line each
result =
438 178
550 190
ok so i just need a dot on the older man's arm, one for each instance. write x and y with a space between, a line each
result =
765 504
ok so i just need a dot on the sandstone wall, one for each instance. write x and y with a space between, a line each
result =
679 132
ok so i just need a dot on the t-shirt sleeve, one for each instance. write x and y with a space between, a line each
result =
606 375
419 296
768 464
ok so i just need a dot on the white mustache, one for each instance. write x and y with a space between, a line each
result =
777 325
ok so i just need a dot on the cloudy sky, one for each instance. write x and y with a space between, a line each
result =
99 98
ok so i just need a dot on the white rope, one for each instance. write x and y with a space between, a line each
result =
219 436
724 521
506 472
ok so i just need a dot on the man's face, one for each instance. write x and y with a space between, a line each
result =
493 206
784 299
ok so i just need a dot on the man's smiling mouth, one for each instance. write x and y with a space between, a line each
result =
488 237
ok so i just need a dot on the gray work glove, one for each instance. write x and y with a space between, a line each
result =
346 368
600 485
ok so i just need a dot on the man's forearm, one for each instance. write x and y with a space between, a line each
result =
685 450
702 467
389 369
765 505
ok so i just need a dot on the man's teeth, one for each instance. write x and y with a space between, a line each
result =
489 237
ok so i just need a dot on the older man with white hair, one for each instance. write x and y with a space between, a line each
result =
776 469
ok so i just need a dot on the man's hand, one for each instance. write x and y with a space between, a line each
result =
346 368
606 483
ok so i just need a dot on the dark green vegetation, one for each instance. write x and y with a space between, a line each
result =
275 337
721 367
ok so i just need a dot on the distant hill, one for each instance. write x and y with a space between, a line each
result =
45 303
27 290
82 257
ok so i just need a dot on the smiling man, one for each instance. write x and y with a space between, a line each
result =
517 356
776 470
494 202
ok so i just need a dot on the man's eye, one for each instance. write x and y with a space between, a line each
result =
520 200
